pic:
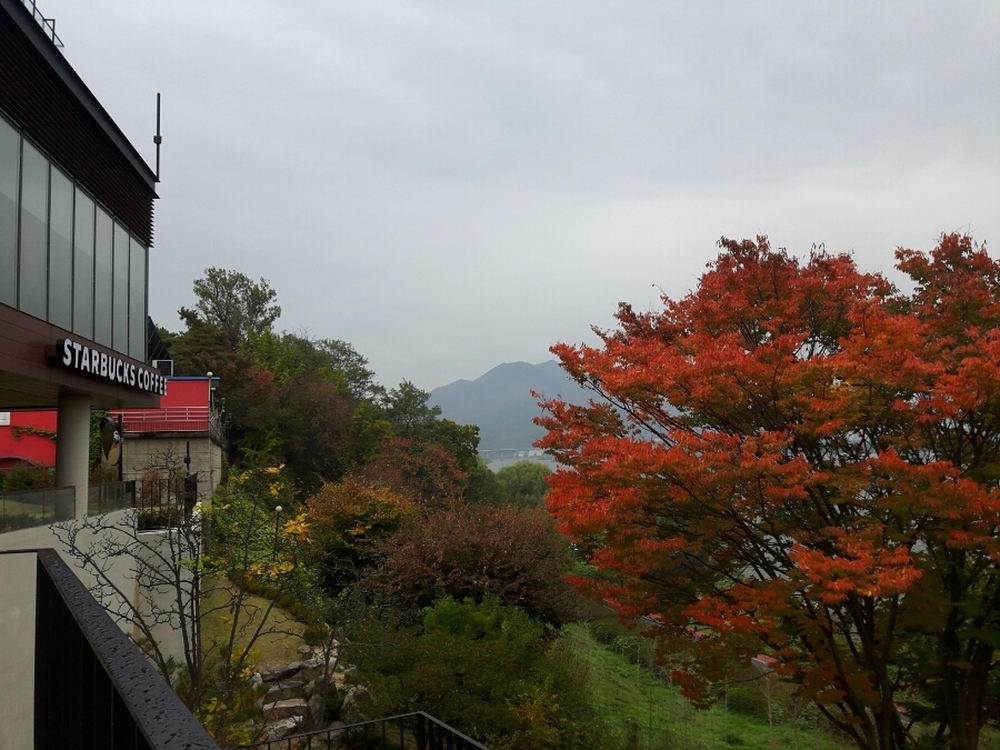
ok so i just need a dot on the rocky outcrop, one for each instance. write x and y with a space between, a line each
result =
355 705
295 694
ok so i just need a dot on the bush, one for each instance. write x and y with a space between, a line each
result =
22 476
747 699
315 633
347 520
524 483
467 551
486 669
331 709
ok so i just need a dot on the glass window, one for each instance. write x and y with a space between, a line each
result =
137 303
61 251
102 278
10 163
120 292
34 232
83 266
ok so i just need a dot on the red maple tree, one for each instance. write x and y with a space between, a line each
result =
801 460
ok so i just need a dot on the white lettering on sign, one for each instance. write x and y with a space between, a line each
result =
81 358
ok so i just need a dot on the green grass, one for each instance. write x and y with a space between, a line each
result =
624 694
277 644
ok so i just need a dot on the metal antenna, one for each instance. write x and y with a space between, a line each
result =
157 139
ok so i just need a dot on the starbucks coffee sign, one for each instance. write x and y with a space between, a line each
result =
79 357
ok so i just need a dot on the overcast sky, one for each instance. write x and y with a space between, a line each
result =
453 185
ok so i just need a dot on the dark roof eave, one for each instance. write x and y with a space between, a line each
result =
47 49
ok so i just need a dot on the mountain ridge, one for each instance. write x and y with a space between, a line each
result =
500 403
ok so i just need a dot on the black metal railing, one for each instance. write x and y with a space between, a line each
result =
165 503
414 731
25 509
47 24
92 686
110 496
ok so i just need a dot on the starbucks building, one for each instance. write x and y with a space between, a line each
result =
76 225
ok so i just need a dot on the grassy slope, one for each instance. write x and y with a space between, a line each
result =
278 643
624 692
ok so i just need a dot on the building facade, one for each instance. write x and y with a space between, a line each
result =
76 226
184 434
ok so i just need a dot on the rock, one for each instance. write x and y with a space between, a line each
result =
355 703
285 709
319 685
315 708
256 680
283 728
305 651
281 672
311 669
282 691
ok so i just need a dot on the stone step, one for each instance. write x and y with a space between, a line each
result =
281 672
285 709
282 691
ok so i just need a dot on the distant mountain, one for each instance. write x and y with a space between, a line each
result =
500 402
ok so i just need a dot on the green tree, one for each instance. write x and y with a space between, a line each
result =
359 379
482 485
369 430
486 669
290 356
407 410
524 483
235 303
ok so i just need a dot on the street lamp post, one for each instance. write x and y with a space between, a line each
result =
277 522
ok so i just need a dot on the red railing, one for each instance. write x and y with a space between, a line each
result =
168 419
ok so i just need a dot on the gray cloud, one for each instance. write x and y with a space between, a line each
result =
453 185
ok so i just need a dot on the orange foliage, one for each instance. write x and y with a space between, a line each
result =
345 522
423 471
798 459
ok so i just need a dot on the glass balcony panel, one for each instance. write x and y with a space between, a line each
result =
83 266
61 251
102 278
10 171
137 302
120 291
33 268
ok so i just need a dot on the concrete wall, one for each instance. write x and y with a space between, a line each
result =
17 650
160 545
120 570
139 453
